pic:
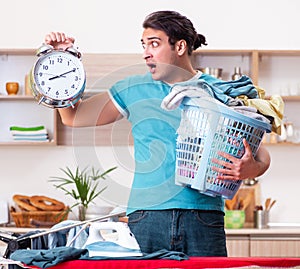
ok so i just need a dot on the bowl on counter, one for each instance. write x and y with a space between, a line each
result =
234 219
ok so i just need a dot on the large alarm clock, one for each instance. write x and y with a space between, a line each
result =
57 78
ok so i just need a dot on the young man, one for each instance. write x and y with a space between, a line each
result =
161 214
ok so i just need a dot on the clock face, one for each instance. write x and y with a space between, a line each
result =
59 75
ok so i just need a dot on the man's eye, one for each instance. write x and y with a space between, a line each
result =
154 44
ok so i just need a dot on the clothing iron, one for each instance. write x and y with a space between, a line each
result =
17 241
111 239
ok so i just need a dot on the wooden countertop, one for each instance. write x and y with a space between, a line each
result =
19 230
286 231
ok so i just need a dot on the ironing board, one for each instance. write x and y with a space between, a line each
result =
192 263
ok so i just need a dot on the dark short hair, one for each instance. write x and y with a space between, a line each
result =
177 27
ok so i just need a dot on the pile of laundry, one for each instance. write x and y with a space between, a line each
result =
74 240
240 94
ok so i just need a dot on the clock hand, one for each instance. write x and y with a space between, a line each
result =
58 76
50 74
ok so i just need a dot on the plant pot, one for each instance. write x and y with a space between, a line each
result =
81 212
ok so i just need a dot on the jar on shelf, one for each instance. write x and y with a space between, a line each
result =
283 136
237 73
289 131
12 88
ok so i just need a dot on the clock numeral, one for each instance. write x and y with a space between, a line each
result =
76 78
51 62
73 86
59 60
40 74
42 82
45 67
66 91
57 93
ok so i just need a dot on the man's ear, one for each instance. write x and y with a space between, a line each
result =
181 47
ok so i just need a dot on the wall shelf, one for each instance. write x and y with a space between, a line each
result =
102 70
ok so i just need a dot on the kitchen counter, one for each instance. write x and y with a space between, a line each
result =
287 231
13 229
242 231
245 242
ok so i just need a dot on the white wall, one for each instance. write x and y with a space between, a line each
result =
115 27
28 170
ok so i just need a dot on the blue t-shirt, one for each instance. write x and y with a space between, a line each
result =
154 132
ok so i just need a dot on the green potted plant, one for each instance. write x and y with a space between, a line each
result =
82 186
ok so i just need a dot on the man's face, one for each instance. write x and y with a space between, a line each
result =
160 57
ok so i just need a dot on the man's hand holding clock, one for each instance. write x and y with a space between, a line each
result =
59 40
58 77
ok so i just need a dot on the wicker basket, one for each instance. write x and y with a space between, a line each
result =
39 218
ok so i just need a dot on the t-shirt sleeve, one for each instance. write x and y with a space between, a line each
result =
117 97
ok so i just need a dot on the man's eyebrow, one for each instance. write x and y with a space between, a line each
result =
151 38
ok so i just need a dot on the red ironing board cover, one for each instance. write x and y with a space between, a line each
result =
192 263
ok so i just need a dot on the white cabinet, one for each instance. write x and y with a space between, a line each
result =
283 246
263 243
238 246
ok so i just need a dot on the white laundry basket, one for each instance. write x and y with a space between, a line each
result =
208 126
